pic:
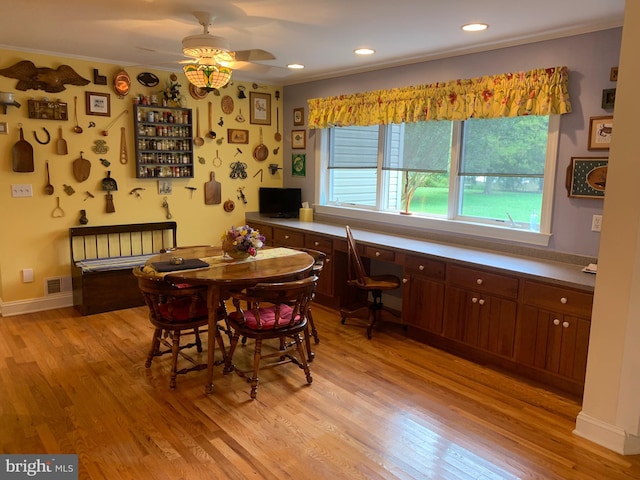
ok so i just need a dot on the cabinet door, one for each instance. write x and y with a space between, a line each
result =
480 320
423 303
325 245
554 342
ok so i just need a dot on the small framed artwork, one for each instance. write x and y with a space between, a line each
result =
587 177
235 135
98 104
4 128
600 131
165 187
613 74
298 139
298 164
260 108
608 98
298 116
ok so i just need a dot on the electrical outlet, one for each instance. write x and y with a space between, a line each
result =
21 190
596 223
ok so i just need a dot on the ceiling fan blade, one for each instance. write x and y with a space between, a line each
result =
254 55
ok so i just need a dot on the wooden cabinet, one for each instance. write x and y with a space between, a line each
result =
480 309
324 245
163 142
266 230
285 237
423 293
553 330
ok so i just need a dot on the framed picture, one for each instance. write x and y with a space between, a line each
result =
235 135
298 139
298 164
260 108
608 98
587 177
165 187
600 130
298 116
4 128
98 104
613 74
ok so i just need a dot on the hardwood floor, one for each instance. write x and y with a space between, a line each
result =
387 408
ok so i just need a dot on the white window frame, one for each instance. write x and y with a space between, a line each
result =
451 224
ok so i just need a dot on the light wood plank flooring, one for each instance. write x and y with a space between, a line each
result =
388 408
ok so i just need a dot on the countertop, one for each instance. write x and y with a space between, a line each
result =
557 272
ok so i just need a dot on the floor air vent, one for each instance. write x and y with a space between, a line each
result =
55 285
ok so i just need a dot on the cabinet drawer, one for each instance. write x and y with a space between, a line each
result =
379 253
426 267
558 299
481 281
265 230
289 238
317 242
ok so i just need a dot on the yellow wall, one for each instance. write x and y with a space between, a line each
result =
32 238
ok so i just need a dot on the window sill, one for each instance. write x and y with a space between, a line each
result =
420 224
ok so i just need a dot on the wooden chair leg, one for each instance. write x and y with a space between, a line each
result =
303 361
228 363
196 332
314 332
155 347
175 349
307 342
257 355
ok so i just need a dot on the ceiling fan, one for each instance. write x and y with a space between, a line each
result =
205 48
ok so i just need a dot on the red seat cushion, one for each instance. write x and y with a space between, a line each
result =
267 317
181 310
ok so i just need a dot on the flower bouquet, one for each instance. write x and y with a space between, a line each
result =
242 242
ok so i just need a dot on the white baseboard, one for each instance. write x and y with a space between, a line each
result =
609 436
50 302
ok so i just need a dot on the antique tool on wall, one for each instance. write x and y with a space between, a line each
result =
109 185
165 205
105 132
136 191
77 128
124 156
278 135
212 191
198 141
57 212
68 189
61 144
47 137
22 154
81 168
261 152
191 190
211 134
48 188
241 195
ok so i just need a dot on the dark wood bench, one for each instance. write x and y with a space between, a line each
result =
102 260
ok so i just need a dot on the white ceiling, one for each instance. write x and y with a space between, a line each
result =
320 34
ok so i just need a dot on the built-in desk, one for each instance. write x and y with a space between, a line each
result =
525 314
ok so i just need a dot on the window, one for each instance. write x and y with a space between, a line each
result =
482 172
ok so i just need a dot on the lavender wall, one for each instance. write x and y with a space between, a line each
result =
589 58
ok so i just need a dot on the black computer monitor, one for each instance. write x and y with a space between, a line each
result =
280 202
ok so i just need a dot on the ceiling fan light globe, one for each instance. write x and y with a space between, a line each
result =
207 77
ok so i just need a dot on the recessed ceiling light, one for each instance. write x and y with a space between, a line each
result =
474 27
295 66
364 51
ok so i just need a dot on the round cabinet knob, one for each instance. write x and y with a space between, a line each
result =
421 267
565 324
481 301
327 260
316 243
404 280
479 281
563 300
556 321
377 254
286 237
474 300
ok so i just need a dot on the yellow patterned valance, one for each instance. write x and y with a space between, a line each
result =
537 92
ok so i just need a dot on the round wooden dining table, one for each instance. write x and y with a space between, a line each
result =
269 265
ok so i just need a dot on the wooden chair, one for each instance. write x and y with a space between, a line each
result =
311 331
172 311
273 311
375 284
